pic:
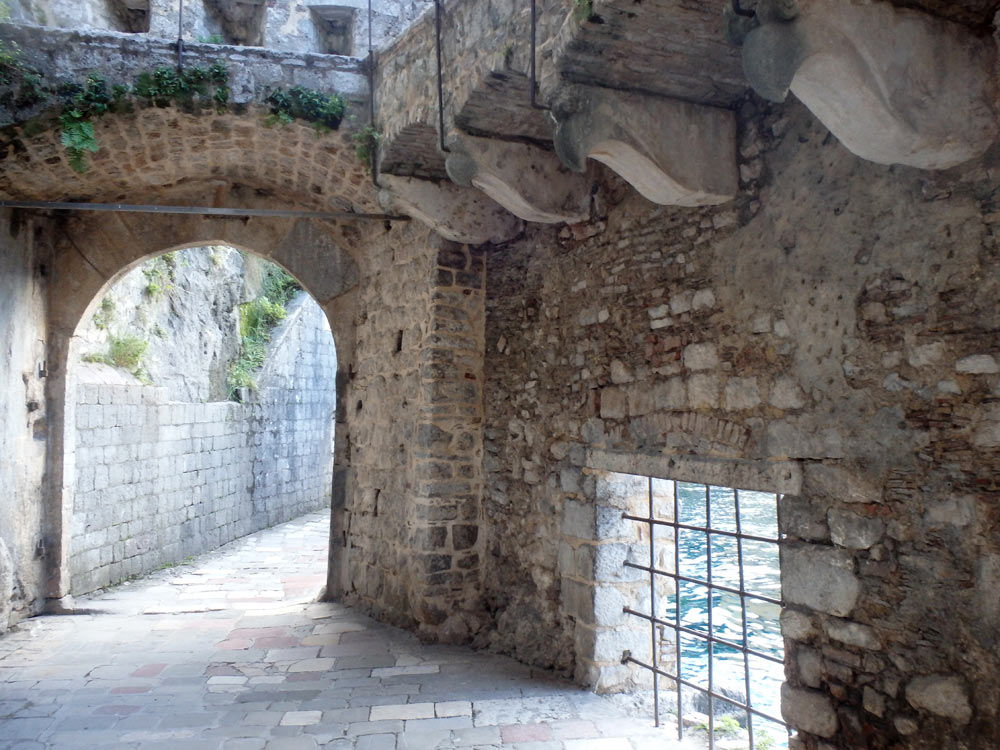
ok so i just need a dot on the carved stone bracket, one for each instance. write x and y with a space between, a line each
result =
896 86
456 213
674 153
528 181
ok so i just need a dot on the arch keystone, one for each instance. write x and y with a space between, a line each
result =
528 181
896 86
674 153
456 213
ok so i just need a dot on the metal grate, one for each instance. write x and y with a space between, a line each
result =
691 579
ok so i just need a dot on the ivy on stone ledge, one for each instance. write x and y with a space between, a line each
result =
325 111
81 104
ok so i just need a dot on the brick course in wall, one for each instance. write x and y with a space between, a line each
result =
838 317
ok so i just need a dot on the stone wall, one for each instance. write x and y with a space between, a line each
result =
833 335
481 40
284 25
156 481
23 428
291 427
415 409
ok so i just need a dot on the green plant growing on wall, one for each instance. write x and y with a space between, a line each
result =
125 352
583 10
162 87
212 39
105 314
82 104
257 319
159 274
21 85
324 111
366 143
166 86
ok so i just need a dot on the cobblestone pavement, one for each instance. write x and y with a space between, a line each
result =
229 651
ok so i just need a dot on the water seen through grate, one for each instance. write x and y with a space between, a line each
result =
715 600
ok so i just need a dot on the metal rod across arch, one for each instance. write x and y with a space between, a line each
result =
199 210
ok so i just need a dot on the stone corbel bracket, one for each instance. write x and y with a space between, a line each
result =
674 153
456 213
528 181
896 86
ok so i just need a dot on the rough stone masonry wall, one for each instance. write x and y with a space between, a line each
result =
839 318
415 409
23 431
157 481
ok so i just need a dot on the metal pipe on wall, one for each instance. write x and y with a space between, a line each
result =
440 84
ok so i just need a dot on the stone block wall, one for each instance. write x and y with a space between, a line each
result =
830 335
291 419
284 25
24 535
156 481
416 415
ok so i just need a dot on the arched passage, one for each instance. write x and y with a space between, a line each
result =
215 422
93 251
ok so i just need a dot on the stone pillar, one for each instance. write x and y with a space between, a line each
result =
342 487
443 523
595 584
340 313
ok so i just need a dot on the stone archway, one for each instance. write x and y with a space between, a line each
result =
94 250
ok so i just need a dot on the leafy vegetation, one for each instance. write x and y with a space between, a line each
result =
105 314
125 352
257 319
583 10
763 740
725 726
366 142
212 39
159 274
21 85
325 111
165 86
81 104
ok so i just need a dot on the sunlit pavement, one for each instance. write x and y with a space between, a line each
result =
231 651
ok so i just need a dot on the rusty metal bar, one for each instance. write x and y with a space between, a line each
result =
709 638
702 635
199 210
628 658
440 83
654 646
371 96
533 63
689 527
180 34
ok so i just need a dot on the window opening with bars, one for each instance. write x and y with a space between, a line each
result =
714 604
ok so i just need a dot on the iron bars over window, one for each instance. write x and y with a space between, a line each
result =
714 606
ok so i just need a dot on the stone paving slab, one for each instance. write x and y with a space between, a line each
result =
232 652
